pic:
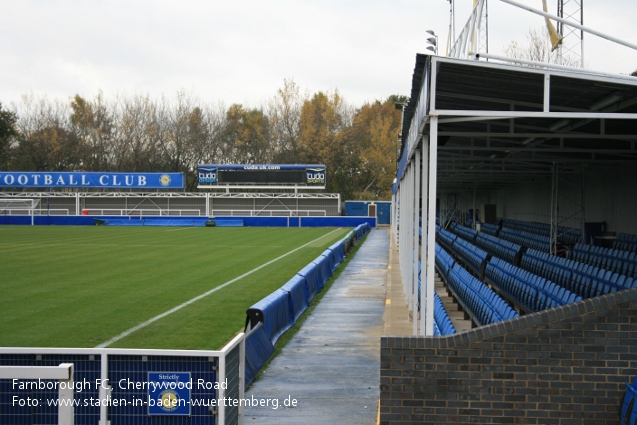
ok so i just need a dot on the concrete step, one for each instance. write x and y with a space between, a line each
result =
457 317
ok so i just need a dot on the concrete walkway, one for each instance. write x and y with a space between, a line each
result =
332 365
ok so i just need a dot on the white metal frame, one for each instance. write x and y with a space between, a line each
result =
207 198
466 44
105 390
5 209
268 213
62 373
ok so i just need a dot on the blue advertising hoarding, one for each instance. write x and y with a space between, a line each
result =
103 180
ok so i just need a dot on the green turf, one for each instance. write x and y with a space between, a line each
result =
81 286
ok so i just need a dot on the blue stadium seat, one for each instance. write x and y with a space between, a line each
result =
628 407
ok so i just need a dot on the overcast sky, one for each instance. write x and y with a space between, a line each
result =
240 51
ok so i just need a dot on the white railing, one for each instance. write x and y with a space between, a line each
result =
268 213
40 211
141 212
62 373
235 374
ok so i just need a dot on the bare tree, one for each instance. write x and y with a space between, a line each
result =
284 113
538 49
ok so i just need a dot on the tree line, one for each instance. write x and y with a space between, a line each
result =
141 134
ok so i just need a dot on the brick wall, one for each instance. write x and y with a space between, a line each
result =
561 366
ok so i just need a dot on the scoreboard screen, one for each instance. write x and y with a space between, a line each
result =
215 175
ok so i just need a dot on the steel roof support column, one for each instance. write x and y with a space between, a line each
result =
424 246
415 200
431 225
555 181
405 235
411 269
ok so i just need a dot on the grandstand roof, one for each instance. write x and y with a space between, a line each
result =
500 124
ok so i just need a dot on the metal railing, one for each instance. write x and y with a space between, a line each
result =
228 365
268 213
142 212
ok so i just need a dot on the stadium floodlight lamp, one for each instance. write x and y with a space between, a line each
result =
432 42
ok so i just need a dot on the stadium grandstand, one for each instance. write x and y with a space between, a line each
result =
513 204
514 191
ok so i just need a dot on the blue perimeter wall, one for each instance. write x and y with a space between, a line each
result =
192 221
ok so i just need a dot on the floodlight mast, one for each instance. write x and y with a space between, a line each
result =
572 24
571 49
467 45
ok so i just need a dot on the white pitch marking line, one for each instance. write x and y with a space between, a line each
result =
205 294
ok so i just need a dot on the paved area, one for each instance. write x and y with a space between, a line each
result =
332 365
396 318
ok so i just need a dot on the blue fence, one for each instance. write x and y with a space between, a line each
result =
277 312
114 385
259 349
190 221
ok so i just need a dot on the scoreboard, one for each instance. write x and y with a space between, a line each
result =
261 175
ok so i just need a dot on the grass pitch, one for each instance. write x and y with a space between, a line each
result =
82 286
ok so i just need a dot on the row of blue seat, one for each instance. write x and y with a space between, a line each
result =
500 248
565 235
533 292
442 322
526 239
445 237
444 262
625 242
490 229
464 232
628 407
583 279
482 302
473 257
615 260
